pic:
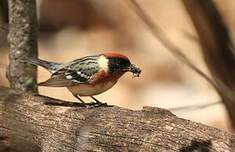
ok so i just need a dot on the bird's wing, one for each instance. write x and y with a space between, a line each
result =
81 72
56 81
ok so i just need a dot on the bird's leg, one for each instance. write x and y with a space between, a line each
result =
97 101
78 98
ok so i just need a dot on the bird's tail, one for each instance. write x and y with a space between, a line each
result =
50 66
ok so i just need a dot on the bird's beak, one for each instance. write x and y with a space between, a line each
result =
135 70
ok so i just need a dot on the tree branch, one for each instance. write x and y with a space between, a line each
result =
31 125
22 38
159 34
217 48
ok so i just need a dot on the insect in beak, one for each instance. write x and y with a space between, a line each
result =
135 70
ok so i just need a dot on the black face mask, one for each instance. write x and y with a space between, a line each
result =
117 65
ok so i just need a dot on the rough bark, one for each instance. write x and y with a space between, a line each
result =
36 123
217 48
22 38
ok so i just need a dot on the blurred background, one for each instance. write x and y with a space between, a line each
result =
71 29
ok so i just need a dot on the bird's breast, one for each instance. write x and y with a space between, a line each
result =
97 86
91 89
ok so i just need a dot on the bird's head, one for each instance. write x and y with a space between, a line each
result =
118 63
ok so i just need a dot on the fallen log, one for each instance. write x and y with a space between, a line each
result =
31 122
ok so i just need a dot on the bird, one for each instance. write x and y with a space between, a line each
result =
89 75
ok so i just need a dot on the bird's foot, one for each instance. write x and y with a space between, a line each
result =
95 104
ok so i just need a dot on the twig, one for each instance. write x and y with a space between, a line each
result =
191 36
194 107
162 37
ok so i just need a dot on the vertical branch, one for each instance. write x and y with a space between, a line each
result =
23 30
214 39
217 49
164 39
